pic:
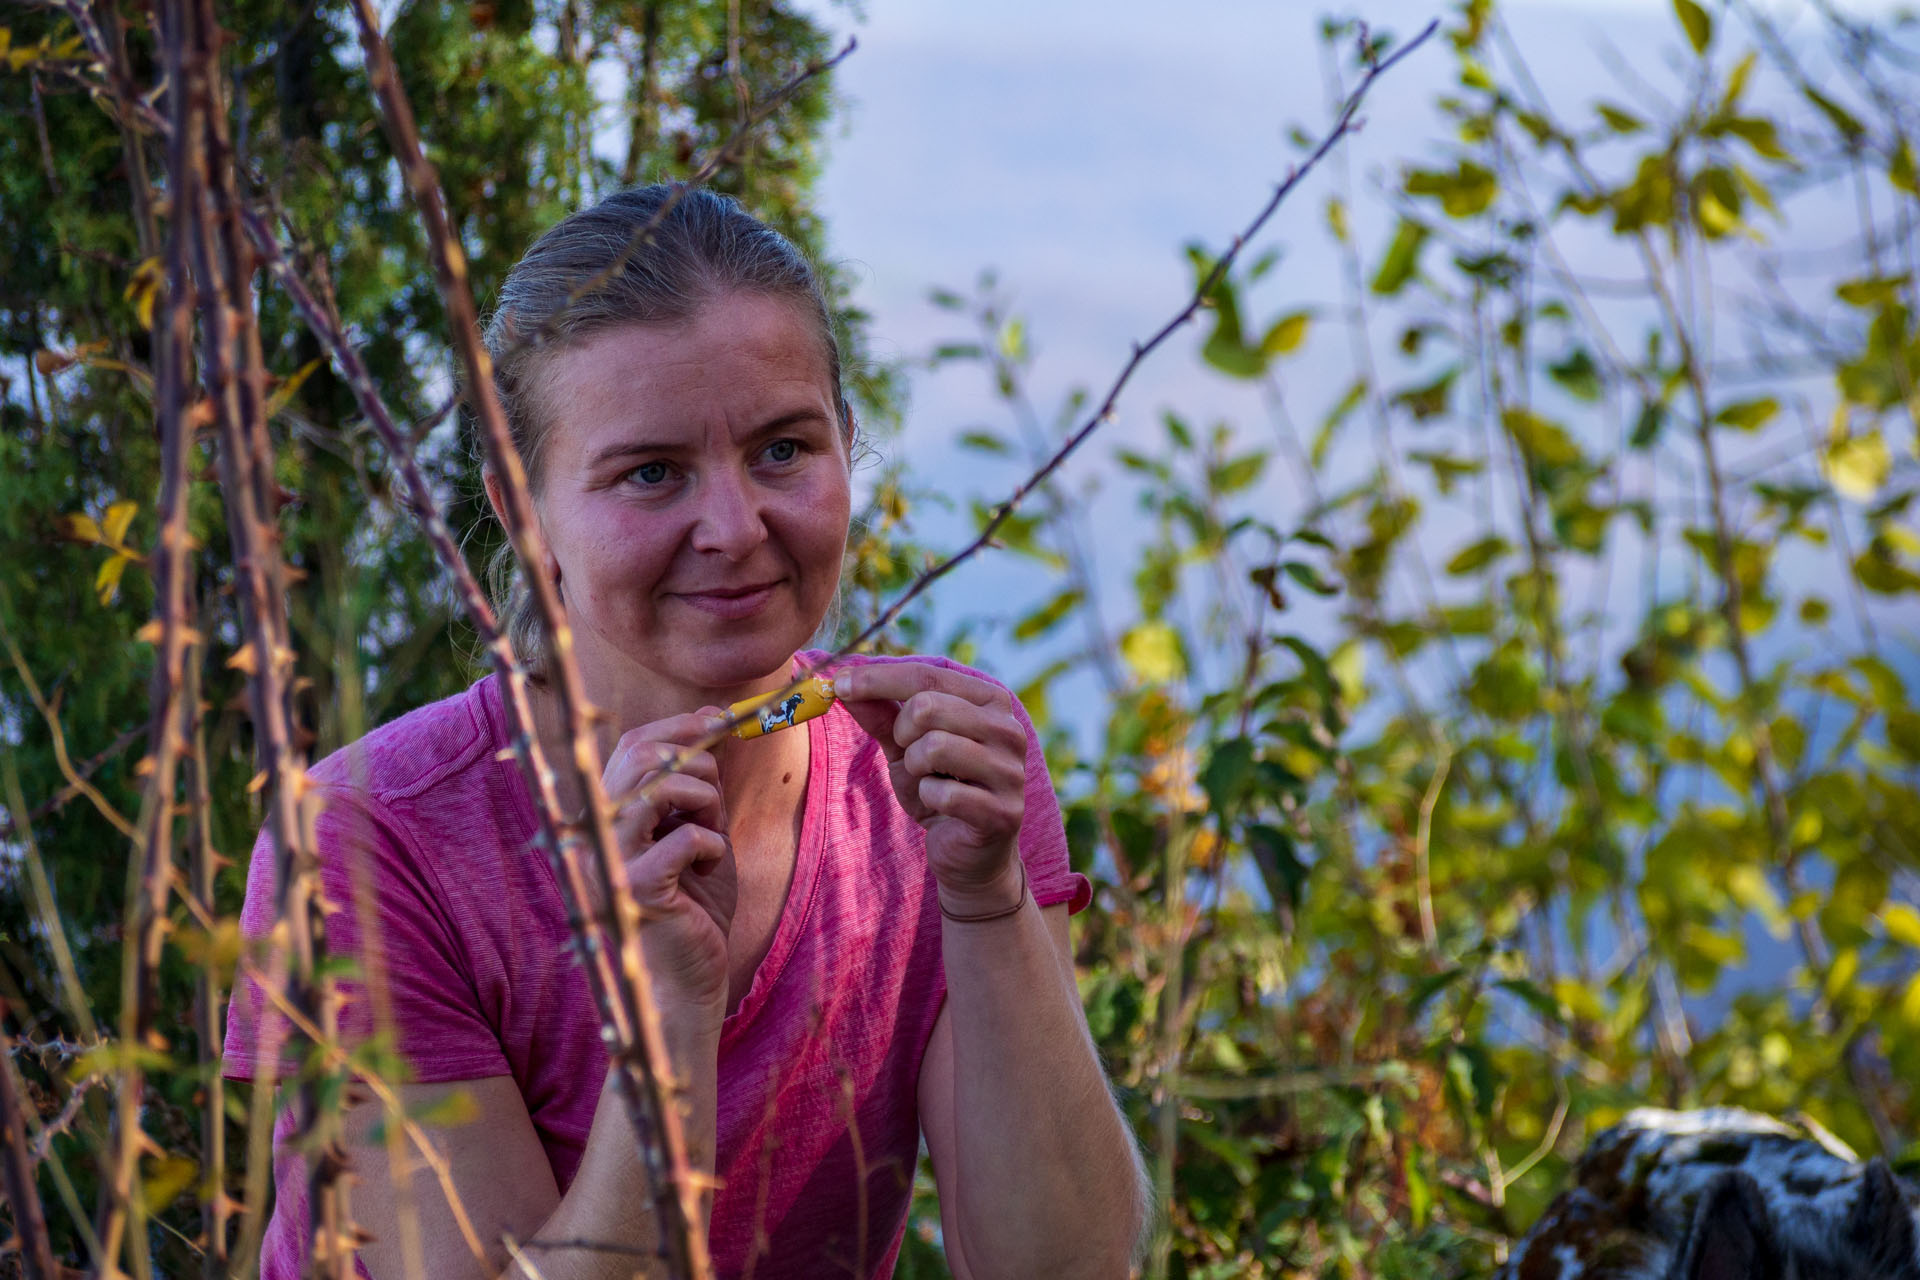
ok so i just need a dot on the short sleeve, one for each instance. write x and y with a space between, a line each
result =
385 912
1043 833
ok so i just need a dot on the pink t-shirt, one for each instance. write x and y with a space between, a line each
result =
818 1126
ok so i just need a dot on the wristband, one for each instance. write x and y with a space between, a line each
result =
989 915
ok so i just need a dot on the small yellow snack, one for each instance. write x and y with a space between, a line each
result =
812 698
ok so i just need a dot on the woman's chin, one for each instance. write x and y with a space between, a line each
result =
745 656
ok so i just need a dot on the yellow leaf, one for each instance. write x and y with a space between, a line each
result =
449 1112
1841 975
6 39
119 517
106 583
171 1175
1910 1002
285 391
1348 663
1859 466
79 527
144 288
1152 650
1902 923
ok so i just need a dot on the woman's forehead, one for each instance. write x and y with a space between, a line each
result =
739 356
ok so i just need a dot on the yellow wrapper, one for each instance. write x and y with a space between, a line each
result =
812 698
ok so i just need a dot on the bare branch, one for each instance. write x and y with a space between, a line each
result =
29 1222
629 1015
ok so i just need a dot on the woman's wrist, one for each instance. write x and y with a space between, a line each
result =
999 897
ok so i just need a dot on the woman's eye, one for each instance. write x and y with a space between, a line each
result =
649 473
783 450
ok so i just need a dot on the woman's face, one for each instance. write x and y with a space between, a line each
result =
695 500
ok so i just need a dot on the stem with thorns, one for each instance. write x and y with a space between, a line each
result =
630 1016
29 1222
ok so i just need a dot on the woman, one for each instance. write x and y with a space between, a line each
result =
856 929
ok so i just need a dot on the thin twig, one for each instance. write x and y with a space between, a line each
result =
51 715
86 770
1344 123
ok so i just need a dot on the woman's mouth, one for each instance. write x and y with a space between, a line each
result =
731 602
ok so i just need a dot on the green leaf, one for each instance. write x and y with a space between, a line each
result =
1761 135
1462 193
1870 291
1619 121
1309 577
1049 615
1478 555
1842 120
1698 25
1403 258
1239 473
1737 81
1323 439
1900 170
1543 442
1226 773
1578 374
1646 428
1429 401
1286 334
985 442
1748 415
1447 469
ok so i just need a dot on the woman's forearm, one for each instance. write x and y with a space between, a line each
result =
1048 1173
610 1201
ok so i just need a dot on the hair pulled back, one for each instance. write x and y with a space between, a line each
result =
665 251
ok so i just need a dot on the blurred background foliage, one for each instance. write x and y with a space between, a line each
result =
1524 735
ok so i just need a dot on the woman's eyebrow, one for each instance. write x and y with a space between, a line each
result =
630 448
797 417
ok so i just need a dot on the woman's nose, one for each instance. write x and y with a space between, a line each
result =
729 520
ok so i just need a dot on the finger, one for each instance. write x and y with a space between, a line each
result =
936 710
989 815
876 717
654 876
634 758
705 804
941 753
639 818
683 731
898 681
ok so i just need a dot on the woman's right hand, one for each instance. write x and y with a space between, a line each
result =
678 859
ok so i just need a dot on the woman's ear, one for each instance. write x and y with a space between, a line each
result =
496 498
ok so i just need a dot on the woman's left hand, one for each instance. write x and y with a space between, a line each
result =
957 758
